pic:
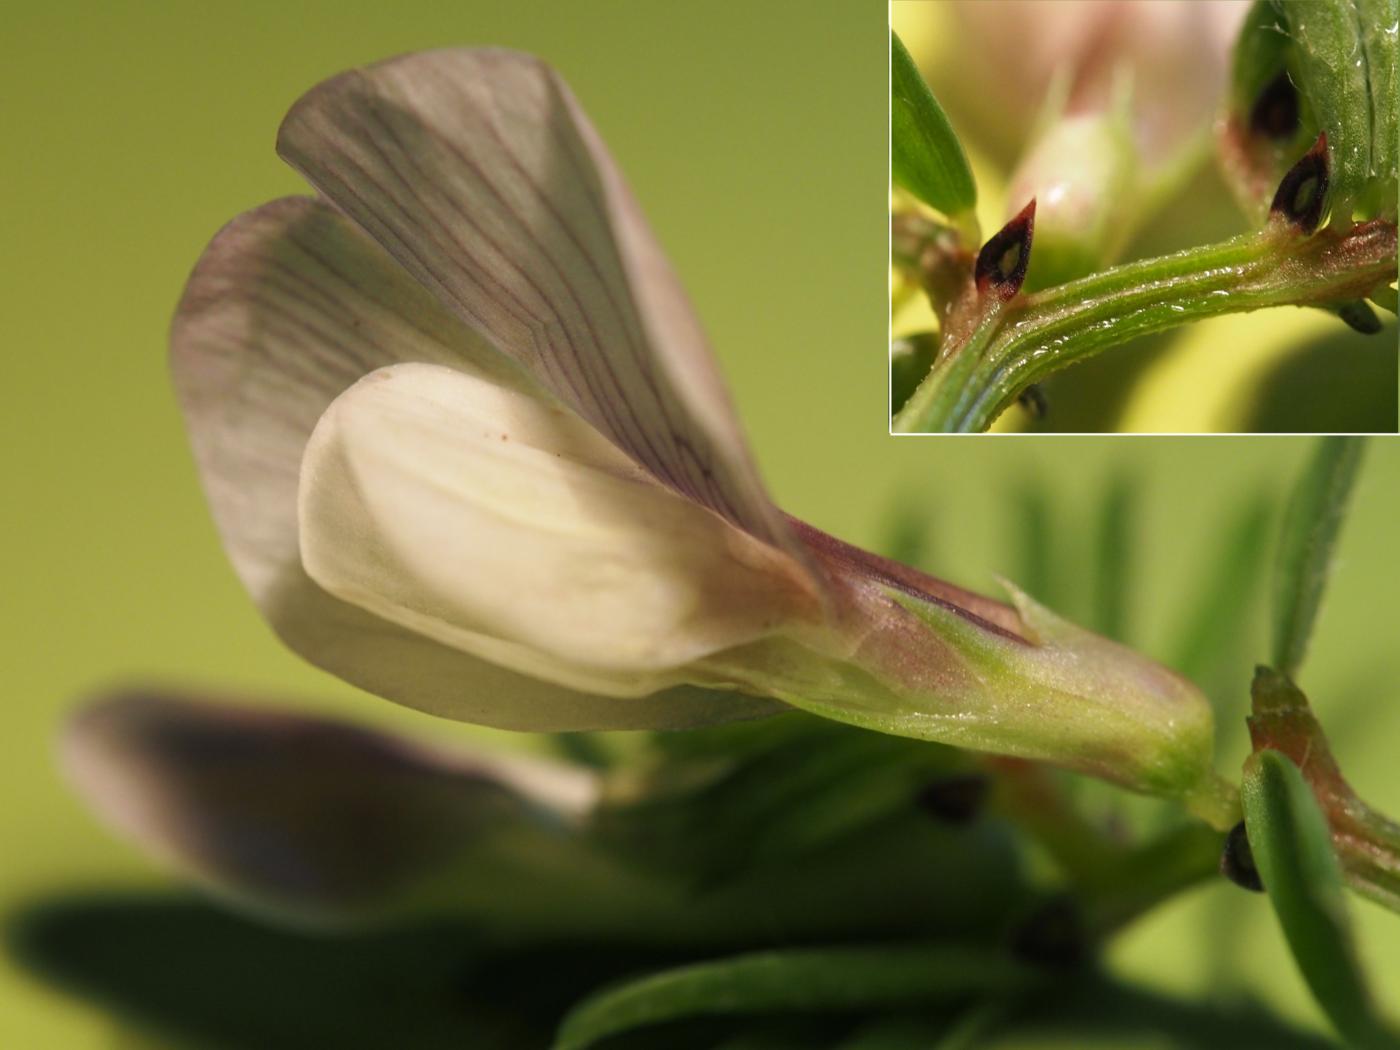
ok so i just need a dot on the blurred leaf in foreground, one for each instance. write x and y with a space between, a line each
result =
926 157
833 979
1310 529
1292 848
314 821
174 966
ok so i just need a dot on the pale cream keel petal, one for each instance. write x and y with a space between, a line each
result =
289 306
499 522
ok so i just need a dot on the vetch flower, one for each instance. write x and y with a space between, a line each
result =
467 449
321 822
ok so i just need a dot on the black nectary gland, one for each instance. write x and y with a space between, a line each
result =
1275 112
1302 194
1237 860
1032 399
956 799
1360 317
1001 264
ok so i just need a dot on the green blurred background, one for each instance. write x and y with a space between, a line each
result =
755 136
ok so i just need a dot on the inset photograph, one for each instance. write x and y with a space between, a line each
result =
1146 217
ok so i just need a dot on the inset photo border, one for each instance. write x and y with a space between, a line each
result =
1140 218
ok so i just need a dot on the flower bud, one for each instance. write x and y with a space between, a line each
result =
1083 176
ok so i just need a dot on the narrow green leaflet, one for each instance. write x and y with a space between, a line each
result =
1310 528
1035 541
925 156
1292 848
832 979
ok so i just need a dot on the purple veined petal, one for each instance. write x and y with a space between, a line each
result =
289 306
479 172
313 819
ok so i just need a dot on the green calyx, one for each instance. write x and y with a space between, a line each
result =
1051 692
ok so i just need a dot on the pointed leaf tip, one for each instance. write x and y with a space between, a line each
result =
1302 194
1001 264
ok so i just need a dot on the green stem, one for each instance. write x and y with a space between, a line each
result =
1032 797
1152 873
1216 801
990 357
1118 882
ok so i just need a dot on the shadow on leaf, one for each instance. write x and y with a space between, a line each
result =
175 964
1342 383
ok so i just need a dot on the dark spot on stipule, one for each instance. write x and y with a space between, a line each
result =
1032 399
1359 316
1303 192
1001 264
1275 112
1237 860
956 799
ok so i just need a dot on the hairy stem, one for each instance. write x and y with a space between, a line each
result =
993 351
